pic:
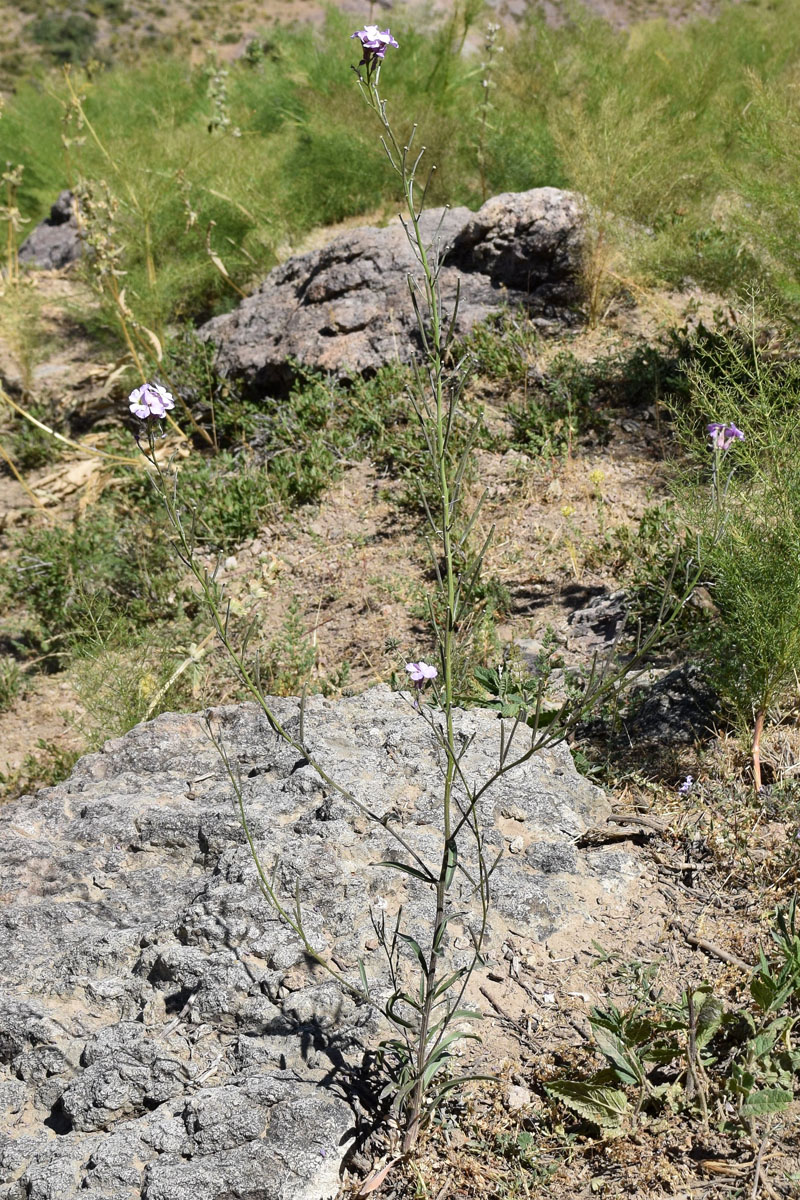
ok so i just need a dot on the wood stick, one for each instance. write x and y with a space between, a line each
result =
708 947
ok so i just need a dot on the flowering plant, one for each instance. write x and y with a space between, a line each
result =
150 400
374 44
723 436
428 1016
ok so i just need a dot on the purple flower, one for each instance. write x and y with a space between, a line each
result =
420 672
374 43
723 436
686 786
150 400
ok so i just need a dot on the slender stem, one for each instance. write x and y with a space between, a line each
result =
437 411
94 450
758 730
12 467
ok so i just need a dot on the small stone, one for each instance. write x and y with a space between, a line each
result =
231 563
517 1098
512 812
516 845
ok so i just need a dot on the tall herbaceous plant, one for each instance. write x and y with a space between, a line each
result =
426 1009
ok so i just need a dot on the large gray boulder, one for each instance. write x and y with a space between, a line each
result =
55 242
162 1035
346 309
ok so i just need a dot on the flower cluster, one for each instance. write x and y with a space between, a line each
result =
686 786
723 436
374 44
151 400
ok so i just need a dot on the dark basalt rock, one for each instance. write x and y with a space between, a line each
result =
596 628
346 309
56 241
676 710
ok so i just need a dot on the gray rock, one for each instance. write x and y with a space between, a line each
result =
158 1017
346 309
56 241
596 627
675 710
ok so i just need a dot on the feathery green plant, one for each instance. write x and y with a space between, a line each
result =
752 558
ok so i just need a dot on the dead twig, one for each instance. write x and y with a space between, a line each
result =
708 947
638 819
760 1176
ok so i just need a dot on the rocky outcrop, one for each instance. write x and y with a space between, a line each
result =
56 241
346 309
162 1035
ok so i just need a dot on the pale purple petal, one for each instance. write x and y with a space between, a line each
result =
723 436
150 400
374 42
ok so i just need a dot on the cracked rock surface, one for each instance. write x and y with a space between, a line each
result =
346 309
161 1035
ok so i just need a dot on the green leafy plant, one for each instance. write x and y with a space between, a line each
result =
90 572
698 1054
45 767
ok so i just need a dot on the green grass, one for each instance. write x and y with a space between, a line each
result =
11 682
46 767
700 186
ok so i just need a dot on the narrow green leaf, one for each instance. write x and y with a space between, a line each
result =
402 1092
394 1016
449 981
449 1084
363 975
415 946
624 1058
452 862
455 1036
441 930
426 878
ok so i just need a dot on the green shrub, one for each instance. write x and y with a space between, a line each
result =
68 39
11 682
